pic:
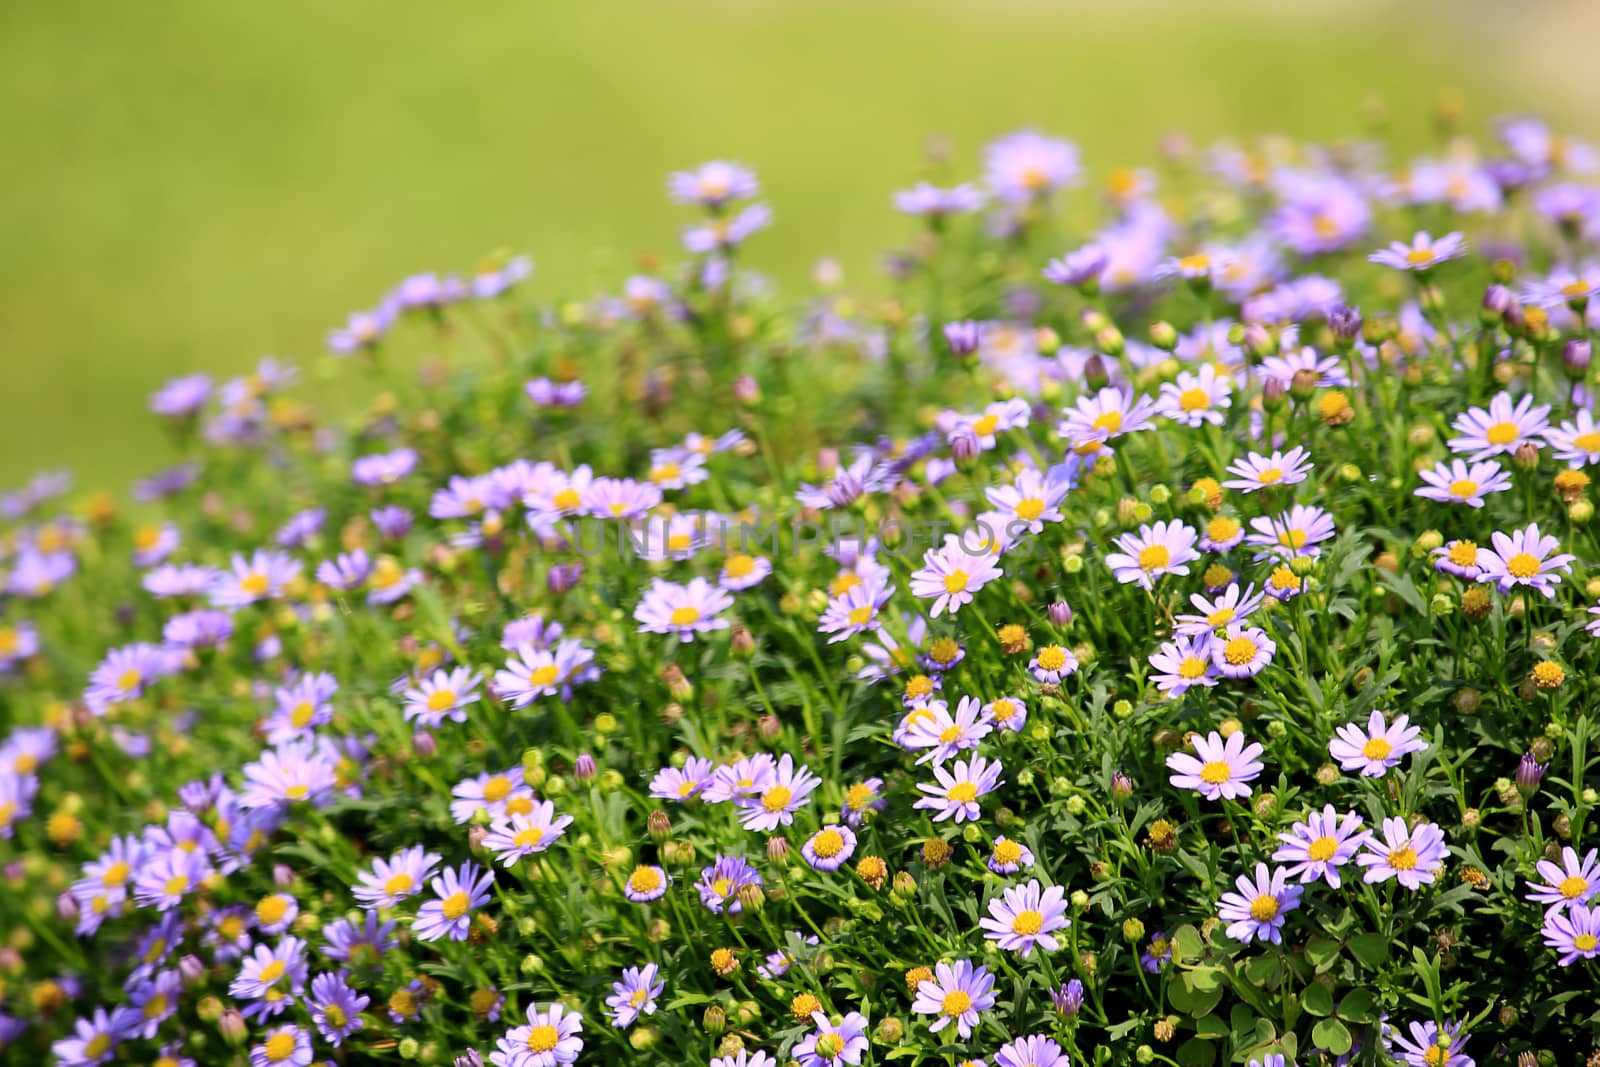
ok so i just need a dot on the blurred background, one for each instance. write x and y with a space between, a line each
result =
193 185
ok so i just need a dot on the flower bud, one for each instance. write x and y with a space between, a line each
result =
963 337
423 744
1576 355
746 391
1273 394
1094 373
715 1020
778 849
1163 336
1060 613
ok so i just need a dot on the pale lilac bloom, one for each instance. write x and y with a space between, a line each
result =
1232 605
1525 558
713 184
952 574
957 993
1034 1050
1318 847
389 881
1257 471
1423 253
516 837
634 994
1025 916
384 468
681 784
829 848
785 792
720 883
1258 910
1457 483
682 610
830 1045
1027 166
1242 651
1571 882
347 571
1428 1046
1195 398
1105 416
1501 429
1329 370
1296 532
1379 747
1414 857
259 576
1219 769
1573 932
943 735
1183 663
955 792
443 695
460 891
1576 441
550 1038
1155 550
928 201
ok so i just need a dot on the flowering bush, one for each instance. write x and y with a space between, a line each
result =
955 678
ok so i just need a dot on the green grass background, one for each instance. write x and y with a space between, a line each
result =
194 183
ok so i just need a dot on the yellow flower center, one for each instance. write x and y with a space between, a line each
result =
687 615
1197 262
1587 442
1239 651
116 874
441 700
1419 257
739 566
96 1046
830 1045
776 798
334 1015
644 880
1463 488
1007 853
1154 557
920 686
177 885
666 472
543 1038
301 714
858 797
455 905
1403 859
1585 942
155 1006
497 788
10 640
1052 657
1270 475
1191 667
1264 908
1003 710
962 792
1195 399
1322 849
985 425
1220 617
1501 433
956 581
280 1046
1222 528
828 844
1030 508
950 733
956 1002
860 616
1523 565
1573 886
272 909
1464 554
1292 538
541 677
1027 923
723 887
1377 748
567 499
1216 772
255 584
129 680
1110 422
272 972
528 838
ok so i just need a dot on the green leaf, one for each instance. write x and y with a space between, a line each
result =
1201 1000
1196 1053
1321 951
1356 1007
1211 1026
1187 945
1370 949
1318 999
1332 1035
1203 979
1264 972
